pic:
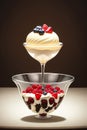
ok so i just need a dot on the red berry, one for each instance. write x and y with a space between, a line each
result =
54 104
51 101
24 91
45 27
49 91
61 91
48 86
34 86
49 30
37 95
55 95
30 100
35 91
29 90
39 91
51 88
39 87
57 88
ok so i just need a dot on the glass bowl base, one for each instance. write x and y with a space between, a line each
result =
43 116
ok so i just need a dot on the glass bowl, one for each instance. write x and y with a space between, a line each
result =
42 98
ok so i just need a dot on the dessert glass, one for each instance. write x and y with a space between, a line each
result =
24 80
43 54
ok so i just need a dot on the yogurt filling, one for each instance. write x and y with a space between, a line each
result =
46 104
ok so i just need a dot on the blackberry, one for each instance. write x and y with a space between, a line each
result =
30 100
29 106
38 106
51 101
44 103
48 109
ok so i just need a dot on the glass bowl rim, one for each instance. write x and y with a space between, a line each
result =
68 80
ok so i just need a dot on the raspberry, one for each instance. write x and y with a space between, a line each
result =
48 91
57 88
34 86
61 91
55 95
30 100
37 95
24 91
49 30
29 90
44 103
48 86
51 101
35 91
39 91
44 27
39 87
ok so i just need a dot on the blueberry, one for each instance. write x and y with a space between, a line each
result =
38 27
36 30
55 90
44 93
41 31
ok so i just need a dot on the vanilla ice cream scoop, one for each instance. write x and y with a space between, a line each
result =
43 43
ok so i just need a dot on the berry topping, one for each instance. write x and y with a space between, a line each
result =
45 27
55 90
54 104
24 91
48 86
39 86
34 86
44 93
30 100
29 89
37 95
55 95
38 27
35 30
49 30
44 103
42 29
51 101
60 91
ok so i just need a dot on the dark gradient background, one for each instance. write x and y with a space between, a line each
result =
69 20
